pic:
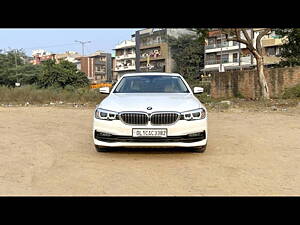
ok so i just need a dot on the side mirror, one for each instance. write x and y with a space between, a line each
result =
198 90
104 90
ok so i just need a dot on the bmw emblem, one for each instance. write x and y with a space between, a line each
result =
149 108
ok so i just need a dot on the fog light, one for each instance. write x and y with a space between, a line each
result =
102 134
195 135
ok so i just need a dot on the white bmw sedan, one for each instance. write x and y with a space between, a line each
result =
150 110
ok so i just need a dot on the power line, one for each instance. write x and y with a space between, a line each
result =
40 47
50 46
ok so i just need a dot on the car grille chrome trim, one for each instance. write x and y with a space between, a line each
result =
164 118
134 118
155 118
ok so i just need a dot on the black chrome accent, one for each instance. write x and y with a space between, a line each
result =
164 118
117 138
134 118
155 118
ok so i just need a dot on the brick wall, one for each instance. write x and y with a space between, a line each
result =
86 66
234 83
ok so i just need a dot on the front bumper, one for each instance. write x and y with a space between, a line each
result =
178 134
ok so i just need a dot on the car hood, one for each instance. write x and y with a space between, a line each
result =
179 102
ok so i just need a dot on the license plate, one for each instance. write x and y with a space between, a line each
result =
149 132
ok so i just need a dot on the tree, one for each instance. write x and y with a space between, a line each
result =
242 36
60 75
13 68
188 54
291 46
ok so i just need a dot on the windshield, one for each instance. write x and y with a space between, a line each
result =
151 84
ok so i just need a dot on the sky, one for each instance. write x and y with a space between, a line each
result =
61 40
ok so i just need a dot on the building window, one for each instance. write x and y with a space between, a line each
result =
129 51
225 58
100 69
271 51
211 41
235 57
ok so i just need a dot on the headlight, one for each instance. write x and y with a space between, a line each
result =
197 114
103 114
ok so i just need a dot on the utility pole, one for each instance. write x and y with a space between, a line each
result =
221 63
82 44
240 56
17 84
16 59
137 51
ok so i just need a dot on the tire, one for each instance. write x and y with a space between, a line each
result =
200 149
101 148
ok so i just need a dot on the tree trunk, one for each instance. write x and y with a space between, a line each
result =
262 78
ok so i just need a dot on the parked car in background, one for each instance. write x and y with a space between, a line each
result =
150 110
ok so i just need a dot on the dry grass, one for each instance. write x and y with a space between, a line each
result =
91 97
34 95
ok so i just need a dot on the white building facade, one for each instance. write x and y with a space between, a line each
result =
222 55
125 58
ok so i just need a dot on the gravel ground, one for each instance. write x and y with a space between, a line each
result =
49 151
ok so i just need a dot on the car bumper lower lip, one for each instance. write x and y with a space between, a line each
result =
117 140
150 145
120 134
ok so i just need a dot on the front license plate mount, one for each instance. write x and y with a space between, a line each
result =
149 132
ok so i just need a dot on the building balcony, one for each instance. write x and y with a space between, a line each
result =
229 62
125 44
268 42
218 61
153 44
126 56
99 72
226 46
152 58
270 60
125 68
98 62
244 60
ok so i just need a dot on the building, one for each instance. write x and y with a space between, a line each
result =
40 55
222 55
272 48
113 66
68 56
153 52
97 66
125 58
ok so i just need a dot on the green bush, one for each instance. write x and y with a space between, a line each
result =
64 74
293 92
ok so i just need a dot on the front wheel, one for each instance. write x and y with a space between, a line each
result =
101 148
200 149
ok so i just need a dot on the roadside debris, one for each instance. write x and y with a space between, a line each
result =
274 108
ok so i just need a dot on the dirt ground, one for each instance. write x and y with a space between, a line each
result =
49 151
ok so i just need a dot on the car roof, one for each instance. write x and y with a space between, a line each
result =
151 73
